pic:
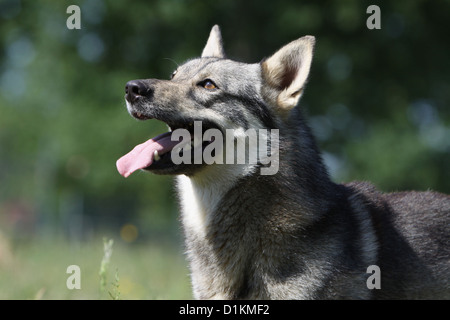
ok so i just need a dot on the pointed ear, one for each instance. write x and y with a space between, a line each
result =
214 46
287 70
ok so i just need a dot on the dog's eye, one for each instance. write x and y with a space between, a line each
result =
208 84
173 74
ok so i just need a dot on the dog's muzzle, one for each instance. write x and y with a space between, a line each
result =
136 89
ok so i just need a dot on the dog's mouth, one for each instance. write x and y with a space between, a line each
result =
155 154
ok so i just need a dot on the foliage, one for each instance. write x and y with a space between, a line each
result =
104 265
37 270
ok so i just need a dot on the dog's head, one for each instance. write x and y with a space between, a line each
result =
213 96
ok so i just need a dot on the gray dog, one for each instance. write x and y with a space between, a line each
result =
289 232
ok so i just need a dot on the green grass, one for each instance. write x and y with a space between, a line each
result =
37 270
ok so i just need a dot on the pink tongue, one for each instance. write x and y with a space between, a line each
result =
142 155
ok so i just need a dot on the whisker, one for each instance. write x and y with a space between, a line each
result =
172 61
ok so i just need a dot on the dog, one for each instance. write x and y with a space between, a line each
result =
293 233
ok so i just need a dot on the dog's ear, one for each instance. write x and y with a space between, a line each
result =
286 72
214 46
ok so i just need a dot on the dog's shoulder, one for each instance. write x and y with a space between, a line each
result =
365 193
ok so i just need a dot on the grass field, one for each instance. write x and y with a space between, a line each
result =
37 269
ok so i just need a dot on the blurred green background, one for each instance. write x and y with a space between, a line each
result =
378 102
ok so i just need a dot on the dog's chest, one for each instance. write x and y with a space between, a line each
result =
197 203
199 198
215 244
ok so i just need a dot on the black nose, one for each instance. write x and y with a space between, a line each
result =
135 89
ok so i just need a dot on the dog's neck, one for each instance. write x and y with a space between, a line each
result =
229 210
200 195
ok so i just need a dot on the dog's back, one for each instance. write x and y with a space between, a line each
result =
413 237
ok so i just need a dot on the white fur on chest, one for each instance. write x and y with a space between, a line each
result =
200 195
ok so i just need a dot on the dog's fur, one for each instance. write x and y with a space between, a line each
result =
295 234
